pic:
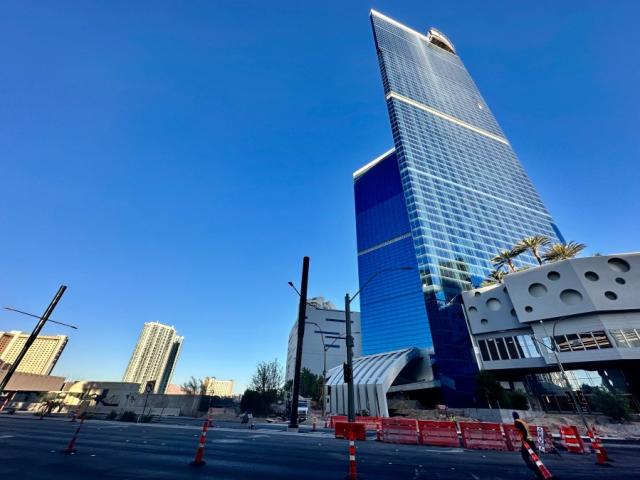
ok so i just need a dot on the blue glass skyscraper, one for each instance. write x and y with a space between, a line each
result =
444 200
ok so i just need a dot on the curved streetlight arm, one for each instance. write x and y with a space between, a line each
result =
370 279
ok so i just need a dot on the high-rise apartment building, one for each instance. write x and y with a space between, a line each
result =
444 200
219 388
42 355
155 356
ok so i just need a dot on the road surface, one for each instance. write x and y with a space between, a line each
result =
30 449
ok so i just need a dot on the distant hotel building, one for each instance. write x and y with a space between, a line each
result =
219 388
41 356
325 323
154 357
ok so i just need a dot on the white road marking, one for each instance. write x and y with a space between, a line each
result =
6 436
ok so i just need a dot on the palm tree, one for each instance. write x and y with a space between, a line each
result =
494 277
563 251
505 258
194 386
534 244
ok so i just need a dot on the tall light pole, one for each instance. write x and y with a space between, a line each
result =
302 314
348 367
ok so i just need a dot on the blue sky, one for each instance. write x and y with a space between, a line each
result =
173 161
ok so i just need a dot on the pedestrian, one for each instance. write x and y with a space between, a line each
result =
523 430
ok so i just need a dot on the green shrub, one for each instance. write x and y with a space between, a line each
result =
516 400
146 418
128 416
612 405
112 415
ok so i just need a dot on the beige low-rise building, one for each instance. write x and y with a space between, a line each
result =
218 388
41 356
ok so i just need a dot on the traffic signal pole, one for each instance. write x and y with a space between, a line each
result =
302 315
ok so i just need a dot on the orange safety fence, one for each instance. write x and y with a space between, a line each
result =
439 433
336 418
371 423
399 430
482 435
343 429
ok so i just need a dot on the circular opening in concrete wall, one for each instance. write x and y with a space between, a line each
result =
494 304
537 289
473 309
484 321
513 313
593 276
620 281
477 294
570 297
528 309
553 276
619 265
611 295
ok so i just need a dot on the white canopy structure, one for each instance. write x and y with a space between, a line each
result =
373 376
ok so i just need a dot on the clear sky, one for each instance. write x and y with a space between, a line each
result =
173 161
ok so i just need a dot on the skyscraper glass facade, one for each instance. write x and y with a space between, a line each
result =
449 196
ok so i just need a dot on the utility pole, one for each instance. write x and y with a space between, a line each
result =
351 408
32 337
302 313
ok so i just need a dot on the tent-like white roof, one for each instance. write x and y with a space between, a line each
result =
373 375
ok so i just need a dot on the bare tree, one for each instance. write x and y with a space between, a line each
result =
268 377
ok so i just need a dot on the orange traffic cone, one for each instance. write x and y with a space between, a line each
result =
544 471
601 454
198 461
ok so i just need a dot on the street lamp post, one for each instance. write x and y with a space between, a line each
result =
348 368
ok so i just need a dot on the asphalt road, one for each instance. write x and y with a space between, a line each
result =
30 449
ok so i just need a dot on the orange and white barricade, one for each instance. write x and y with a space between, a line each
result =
438 433
571 438
399 430
482 435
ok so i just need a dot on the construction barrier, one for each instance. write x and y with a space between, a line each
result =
439 433
399 430
571 438
482 435
333 419
343 429
370 423
514 441
210 417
